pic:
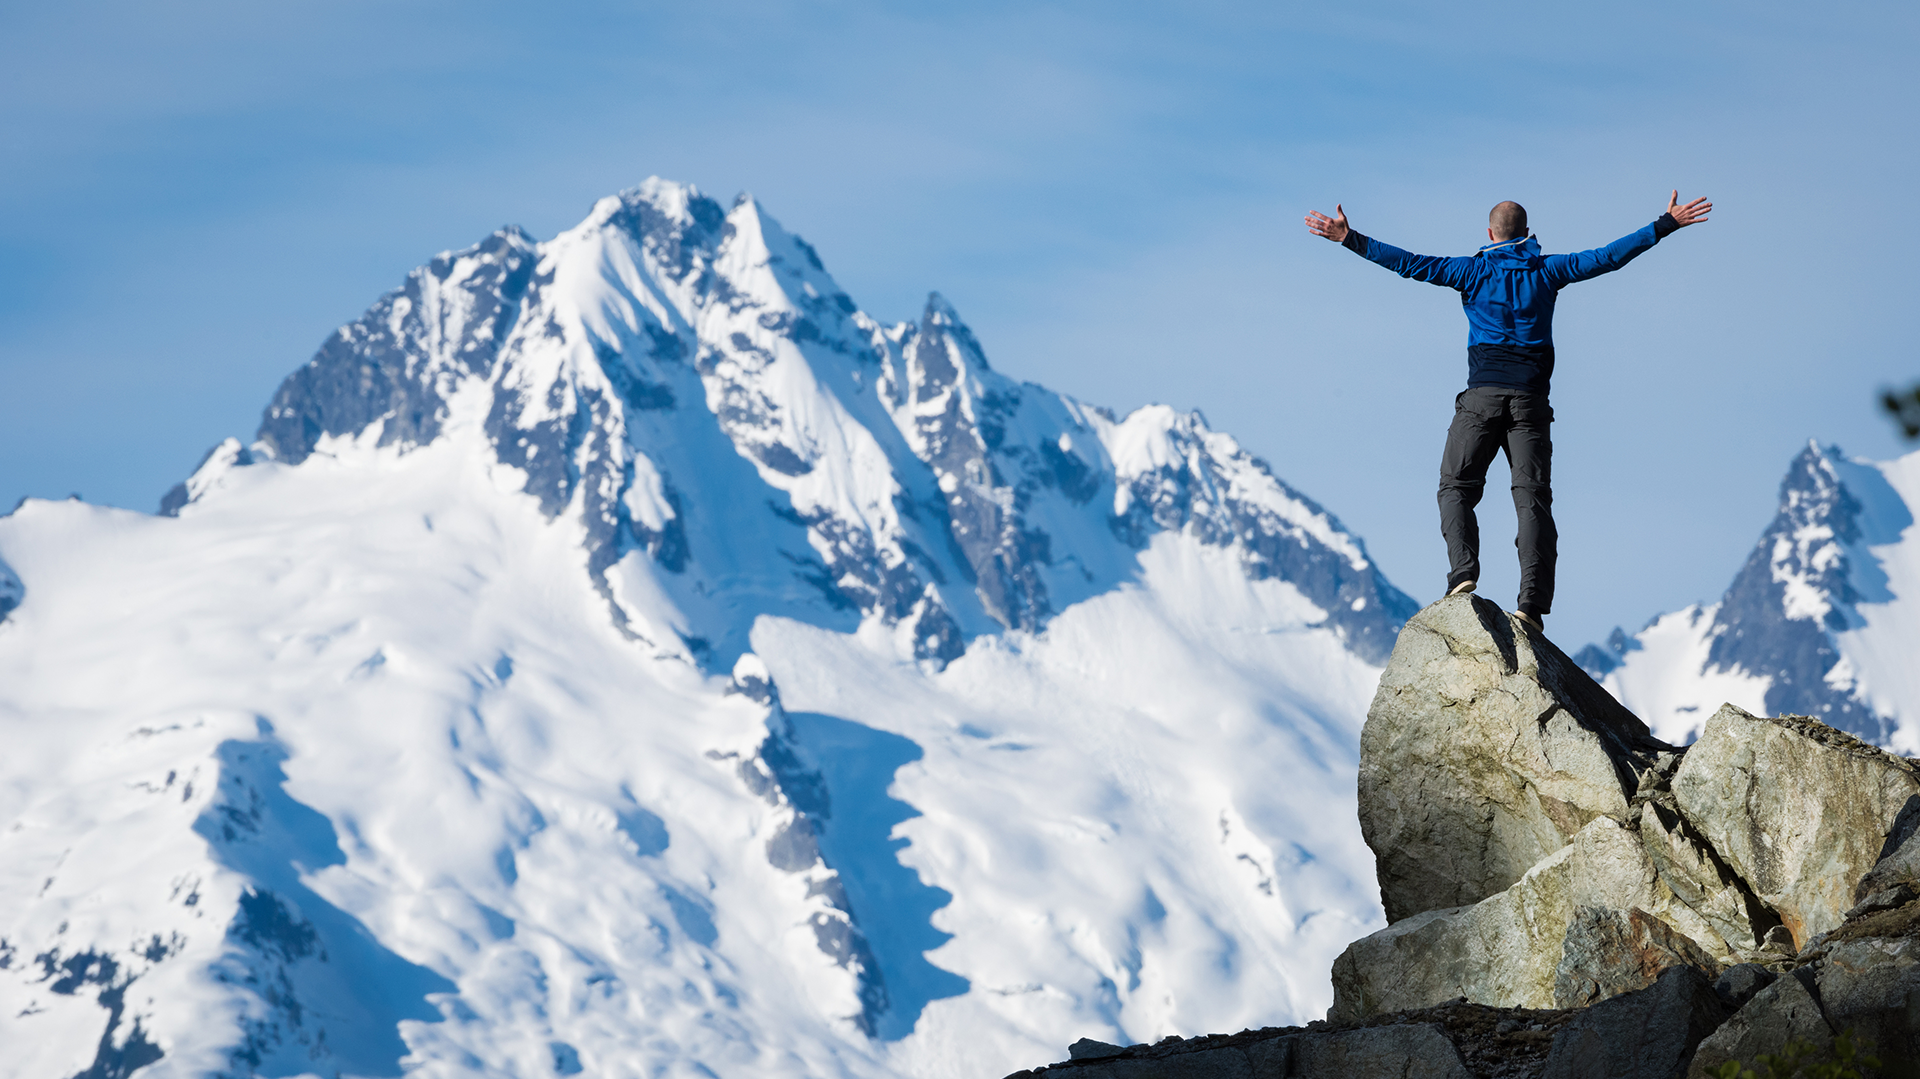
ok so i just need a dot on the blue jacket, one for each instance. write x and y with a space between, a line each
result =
1508 290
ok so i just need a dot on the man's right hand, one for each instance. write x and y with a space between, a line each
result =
1333 228
1691 214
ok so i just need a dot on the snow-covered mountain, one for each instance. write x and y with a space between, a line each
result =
1823 620
620 655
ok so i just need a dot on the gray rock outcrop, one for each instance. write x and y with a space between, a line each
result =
1611 952
1088 1049
1455 1041
1486 749
1800 810
1771 845
1742 982
1409 1050
1568 897
1894 881
1703 882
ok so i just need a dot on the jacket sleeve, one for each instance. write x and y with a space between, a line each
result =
1564 270
1454 273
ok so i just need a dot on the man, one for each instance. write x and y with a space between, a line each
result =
1508 290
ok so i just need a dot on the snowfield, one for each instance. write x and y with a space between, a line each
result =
620 656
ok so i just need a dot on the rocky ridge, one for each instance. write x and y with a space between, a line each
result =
1632 908
671 374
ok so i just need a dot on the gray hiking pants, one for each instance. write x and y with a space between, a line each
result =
1487 420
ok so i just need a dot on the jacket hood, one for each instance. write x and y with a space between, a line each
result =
1514 254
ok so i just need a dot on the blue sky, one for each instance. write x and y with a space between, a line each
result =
194 195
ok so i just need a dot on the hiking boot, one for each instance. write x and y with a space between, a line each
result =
1532 620
1462 588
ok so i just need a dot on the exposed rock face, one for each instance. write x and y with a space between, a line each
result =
1610 952
1089 1049
1407 1050
1742 982
782 774
1486 750
1798 809
1434 1044
1782 1012
1895 880
1513 949
1538 848
1701 880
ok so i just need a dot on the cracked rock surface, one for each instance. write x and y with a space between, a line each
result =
1485 751
1799 809
1583 925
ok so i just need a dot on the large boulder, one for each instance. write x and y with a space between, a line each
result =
1650 1034
1486 749
1780 1013
1591 920
1799 810
1872 987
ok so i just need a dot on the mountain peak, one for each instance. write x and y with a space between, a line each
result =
609 365
655 641
1810 624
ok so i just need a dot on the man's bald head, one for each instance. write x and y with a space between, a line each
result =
1508 221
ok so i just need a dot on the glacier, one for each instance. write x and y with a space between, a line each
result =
1822 620
619 654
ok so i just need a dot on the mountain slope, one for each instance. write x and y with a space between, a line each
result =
620 654
1820 621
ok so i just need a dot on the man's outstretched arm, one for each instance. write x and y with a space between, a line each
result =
1564 270
1433 269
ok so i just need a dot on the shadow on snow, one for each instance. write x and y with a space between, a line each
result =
895 909
326 992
